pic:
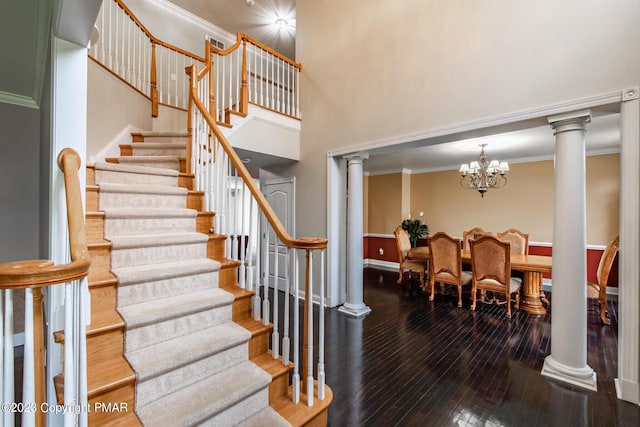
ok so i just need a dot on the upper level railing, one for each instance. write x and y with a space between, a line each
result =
246 72
32 276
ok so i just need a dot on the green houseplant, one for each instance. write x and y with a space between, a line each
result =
416 229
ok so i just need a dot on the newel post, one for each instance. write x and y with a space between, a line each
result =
244 92
154 82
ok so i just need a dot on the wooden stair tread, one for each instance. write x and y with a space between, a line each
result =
105 322
100 378
108 375
229 263
238 292
273 366
254 326
103 279
299 413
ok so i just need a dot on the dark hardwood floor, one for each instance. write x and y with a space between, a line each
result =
412 362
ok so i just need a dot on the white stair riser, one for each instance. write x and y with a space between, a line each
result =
137 200
154 388
103 176
157 254
136 226
148 291
144 336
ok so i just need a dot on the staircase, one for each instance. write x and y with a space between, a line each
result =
172 334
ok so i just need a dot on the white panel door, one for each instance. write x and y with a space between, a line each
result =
280 194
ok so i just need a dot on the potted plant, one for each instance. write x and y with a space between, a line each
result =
416 229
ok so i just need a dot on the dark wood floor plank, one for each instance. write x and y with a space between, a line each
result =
412 362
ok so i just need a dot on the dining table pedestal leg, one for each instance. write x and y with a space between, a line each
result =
530 301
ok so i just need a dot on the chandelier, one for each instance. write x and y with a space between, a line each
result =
483 174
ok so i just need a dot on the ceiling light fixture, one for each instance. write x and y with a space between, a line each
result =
483 174
281 23
250 2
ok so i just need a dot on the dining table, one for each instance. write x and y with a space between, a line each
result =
533 268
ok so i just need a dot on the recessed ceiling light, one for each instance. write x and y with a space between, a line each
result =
246 161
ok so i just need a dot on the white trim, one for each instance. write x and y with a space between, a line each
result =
385 265
507 119
20 100
628 378
18 339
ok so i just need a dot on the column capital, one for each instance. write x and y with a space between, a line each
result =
575 120
356 157
630 94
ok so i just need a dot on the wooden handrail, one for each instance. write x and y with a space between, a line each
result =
281 232
35 274
271 51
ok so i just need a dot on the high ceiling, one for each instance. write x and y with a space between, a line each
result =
257 20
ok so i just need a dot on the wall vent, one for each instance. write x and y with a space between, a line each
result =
216 43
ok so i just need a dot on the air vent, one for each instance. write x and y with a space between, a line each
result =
216 43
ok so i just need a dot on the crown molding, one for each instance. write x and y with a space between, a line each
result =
507 119
195 19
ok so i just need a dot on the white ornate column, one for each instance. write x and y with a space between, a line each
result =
568 359
355 211
628 380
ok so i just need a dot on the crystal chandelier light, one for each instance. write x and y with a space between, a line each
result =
483 174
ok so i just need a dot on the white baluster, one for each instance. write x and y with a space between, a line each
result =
295 379
265 284
29 369
286 343
275 341
261 79
249 272
298 115
8 376
309 301
321 375
69 349
243 244
2 373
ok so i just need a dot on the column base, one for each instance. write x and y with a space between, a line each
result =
584 378
354 310
627 390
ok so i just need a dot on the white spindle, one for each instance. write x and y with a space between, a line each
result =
321 376
265 284
83 287
286 343
309 301
8 374
243 245
2 373
29 369
298 94
249 271
295 379
70 379
275 336
261 78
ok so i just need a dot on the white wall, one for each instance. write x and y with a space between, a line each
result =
399 67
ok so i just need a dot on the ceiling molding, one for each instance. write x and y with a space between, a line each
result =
492 124
195 19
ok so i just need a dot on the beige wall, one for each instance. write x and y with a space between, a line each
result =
526 202
392 68
385 203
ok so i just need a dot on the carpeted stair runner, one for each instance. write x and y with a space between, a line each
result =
191 360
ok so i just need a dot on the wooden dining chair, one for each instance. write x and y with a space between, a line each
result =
446 264
491 270
519 241
468 235
404 244
599 290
